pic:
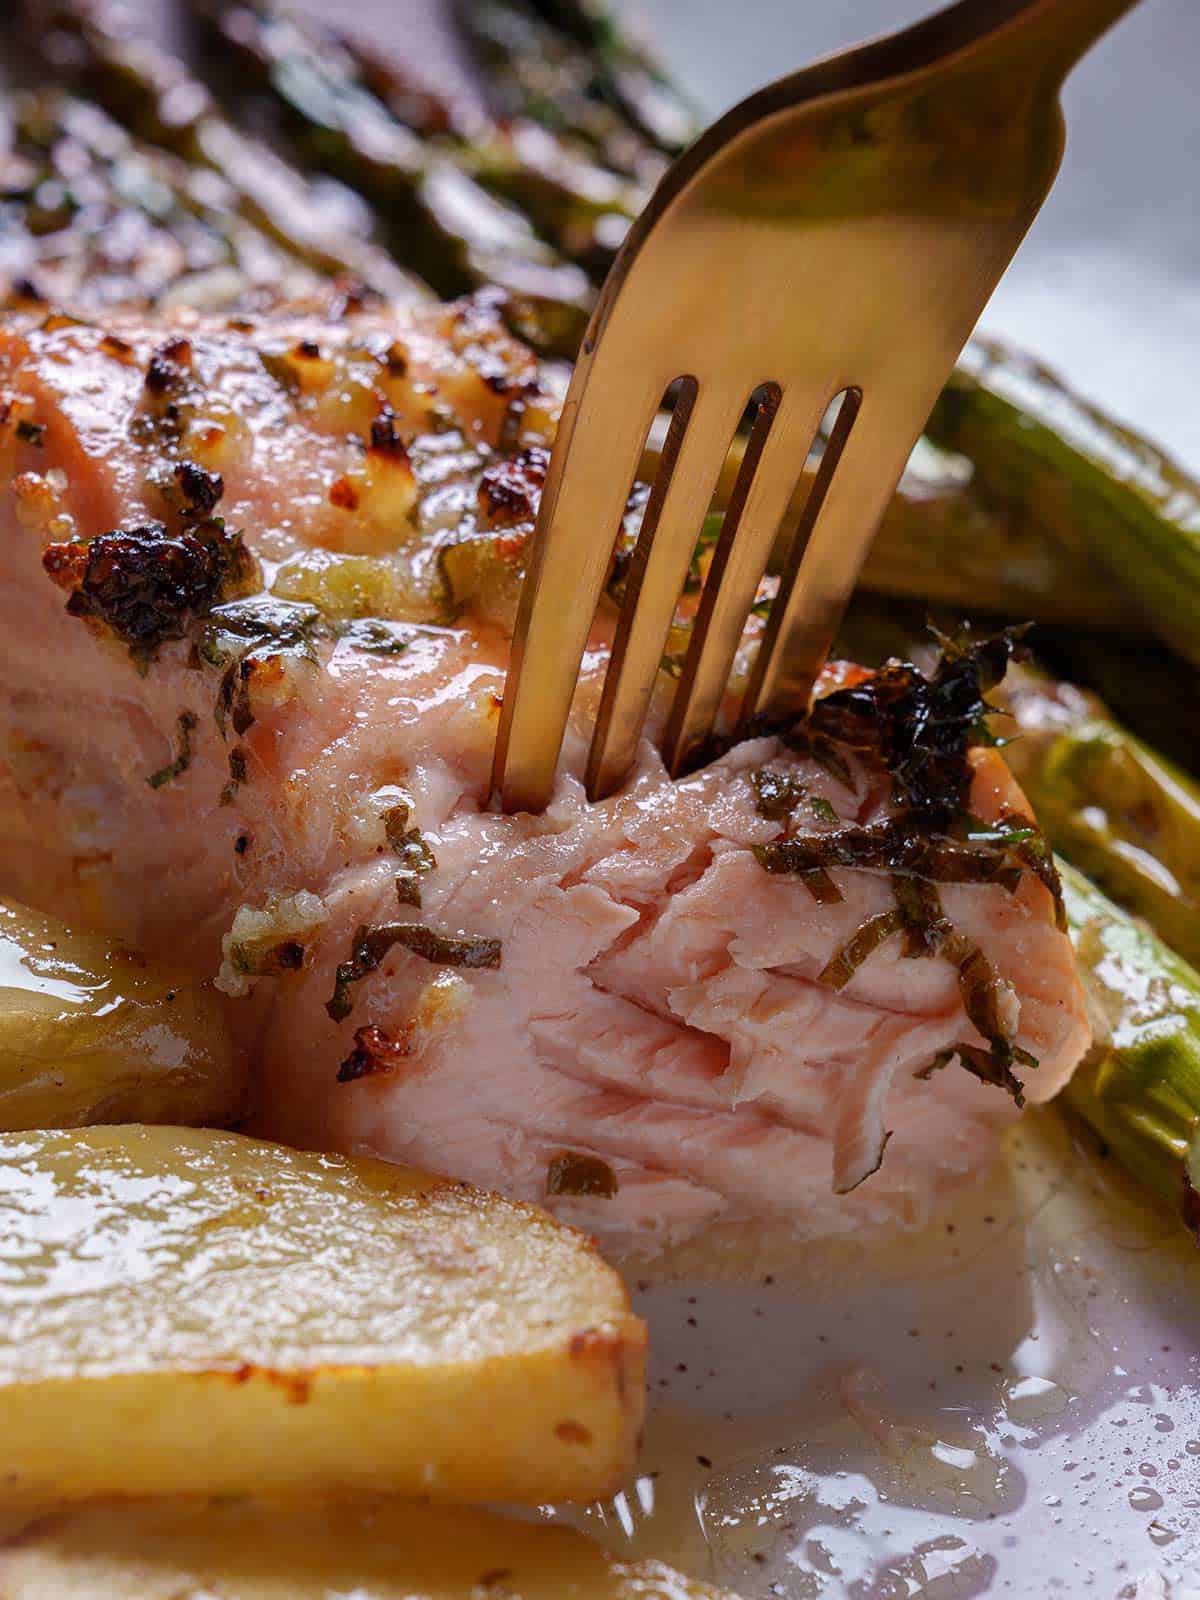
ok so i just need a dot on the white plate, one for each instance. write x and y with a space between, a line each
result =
1007 1404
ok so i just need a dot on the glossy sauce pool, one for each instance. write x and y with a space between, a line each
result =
1006 1404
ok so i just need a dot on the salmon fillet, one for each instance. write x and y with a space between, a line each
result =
255 597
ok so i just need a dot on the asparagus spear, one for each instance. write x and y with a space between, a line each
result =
580 206
1098 487
949 540
153 94
1114 807
538 72
1139 1087
1144 685
436 216
625 73
90 218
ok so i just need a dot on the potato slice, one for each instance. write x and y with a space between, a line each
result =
90 1031
373 1550
188 1311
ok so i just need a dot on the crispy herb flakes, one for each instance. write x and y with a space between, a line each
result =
148 586
371 945
918 731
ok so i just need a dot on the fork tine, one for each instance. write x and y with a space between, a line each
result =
656 577
774 460
581 508
861 467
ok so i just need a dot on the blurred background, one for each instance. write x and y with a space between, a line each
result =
1107 287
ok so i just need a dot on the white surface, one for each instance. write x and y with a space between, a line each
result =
1038 1427
1107 286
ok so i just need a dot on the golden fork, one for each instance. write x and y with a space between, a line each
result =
837 234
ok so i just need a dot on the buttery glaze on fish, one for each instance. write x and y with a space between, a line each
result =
255 590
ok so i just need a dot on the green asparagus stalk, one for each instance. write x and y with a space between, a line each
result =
436 216
950 541
1098 487
154 95
1122 813
624 72
1144 684
538 72
1139 1087
578 206
74 181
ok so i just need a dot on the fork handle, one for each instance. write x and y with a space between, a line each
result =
1060 31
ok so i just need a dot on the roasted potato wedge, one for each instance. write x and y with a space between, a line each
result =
90 1031
372 1549
189 1311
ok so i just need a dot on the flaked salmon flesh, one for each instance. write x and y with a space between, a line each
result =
611 1008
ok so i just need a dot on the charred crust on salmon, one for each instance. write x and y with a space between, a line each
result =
146 585
510 490
375 1051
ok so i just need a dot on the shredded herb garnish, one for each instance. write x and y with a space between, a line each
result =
840 968
186 724
371 945
573 1173
374 636
416 857
243 637
891 843
919 731
779 794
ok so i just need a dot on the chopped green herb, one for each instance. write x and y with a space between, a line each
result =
243 637
894 843
838 971
920 729
371 945
375 636
778 794
187 724
415 852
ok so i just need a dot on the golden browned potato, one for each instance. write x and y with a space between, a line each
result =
373 1549
91 1031
189 1311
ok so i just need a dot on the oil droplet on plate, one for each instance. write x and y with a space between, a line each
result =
1145 1499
